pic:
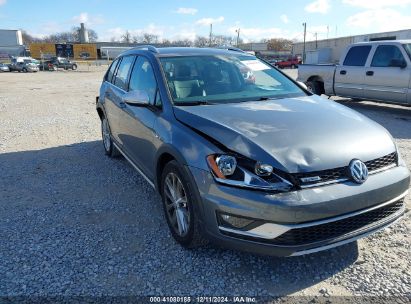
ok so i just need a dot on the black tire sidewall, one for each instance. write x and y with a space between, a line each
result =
74 67
176 168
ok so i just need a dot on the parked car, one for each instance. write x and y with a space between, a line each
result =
249 160
48 65
23 66
4 68
379 71
292 62
64 63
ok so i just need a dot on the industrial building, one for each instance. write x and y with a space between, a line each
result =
330 50
11 44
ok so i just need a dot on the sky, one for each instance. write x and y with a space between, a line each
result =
181 19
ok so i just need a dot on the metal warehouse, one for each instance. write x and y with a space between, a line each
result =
330 50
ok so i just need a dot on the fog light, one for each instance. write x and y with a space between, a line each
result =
263 169
232 221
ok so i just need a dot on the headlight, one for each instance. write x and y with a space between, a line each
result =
246 173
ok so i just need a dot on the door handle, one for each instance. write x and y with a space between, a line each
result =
343 72
369 73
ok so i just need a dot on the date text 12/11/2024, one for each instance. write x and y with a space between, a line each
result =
203 299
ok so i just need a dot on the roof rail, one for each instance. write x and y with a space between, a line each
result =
231 48
146 47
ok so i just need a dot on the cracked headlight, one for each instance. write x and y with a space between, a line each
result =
241 172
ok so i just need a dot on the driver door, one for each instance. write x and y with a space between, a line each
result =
138 122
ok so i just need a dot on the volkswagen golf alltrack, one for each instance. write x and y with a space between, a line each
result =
246 157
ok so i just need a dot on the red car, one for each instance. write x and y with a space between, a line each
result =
291 62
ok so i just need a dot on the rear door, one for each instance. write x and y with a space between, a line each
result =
113 98
384 80
350 75
138 122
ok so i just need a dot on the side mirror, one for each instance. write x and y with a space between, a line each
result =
137 98
398 63
303 85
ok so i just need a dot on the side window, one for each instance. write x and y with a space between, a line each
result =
122 72
110 73
357 55
385 54
142 78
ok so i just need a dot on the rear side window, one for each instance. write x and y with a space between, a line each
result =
142 78
357 55
111 71
122 72
385 54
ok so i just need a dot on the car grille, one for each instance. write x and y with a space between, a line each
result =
313 234
333 175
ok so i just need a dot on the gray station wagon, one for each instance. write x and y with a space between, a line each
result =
244 156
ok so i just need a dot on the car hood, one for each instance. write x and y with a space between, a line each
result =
294 134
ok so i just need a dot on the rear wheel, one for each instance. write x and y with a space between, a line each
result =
314 87
179 207
109 147
74 67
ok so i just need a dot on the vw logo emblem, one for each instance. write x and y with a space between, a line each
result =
358 171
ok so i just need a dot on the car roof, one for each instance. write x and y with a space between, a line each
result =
383 42
184 51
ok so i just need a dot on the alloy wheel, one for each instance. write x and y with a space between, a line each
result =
176 204
106 134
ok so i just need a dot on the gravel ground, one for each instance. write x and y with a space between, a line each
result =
74 222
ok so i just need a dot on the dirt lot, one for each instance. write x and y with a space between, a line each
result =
74 222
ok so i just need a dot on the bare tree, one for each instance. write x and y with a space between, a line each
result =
279 44
28 39
222 40
201 41
183 42
166 42
126 37
150 38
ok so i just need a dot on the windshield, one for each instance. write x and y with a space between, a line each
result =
407 48
224 78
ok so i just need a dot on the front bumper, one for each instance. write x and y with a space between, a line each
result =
300 222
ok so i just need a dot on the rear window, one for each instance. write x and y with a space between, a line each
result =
357 55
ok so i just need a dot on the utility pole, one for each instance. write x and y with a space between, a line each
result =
305 33
211 34
238 36
316 40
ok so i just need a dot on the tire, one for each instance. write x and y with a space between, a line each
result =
314 87
74 67
109 148
24 70
188 234
293 66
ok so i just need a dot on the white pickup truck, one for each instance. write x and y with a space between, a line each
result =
378 71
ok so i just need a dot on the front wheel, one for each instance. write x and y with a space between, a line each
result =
24 70
178 203
314 87
109 147
74 67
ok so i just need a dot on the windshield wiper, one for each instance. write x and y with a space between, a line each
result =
192 103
